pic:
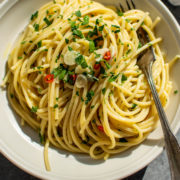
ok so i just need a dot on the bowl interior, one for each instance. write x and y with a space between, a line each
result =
21 144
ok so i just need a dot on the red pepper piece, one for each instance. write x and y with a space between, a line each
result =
101 128
49 78
97 66
107 56
73 77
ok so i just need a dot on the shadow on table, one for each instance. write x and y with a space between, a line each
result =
138 176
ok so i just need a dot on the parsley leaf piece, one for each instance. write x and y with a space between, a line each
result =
176 92
86 20
115 26
91 46
139 45
134 106
67 41
42 138
77 93
36 27
120 13
56 106
113 78
101 28
78 13
124 78
78 33
34 109
70 48
89 96
46 20
108 66
34 16
80 60
104 90
94 32
39 44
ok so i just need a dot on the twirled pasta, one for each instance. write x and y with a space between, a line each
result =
73 76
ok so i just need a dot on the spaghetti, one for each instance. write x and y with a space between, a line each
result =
73 76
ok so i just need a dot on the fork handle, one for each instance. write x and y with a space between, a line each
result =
171 143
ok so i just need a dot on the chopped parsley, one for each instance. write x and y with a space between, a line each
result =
139 45
77 93
134 106
70 48
89 96
42 138
78 13
39 44
91 46
124 78
80 60
108 66
92 107
58 56
20 57
46 20
115 26
101 28
94 32
34 109
120 13
36 27
102 70
85 20
34 16
78 33
23 42
56 106
67 41
113 78
176 92
104 90
128 51
54 1
60 72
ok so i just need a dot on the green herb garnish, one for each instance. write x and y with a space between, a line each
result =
91 46
78 13
113 78
34 109
89 96
34 16
86 20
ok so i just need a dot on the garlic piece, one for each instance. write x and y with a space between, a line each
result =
81 81
69 58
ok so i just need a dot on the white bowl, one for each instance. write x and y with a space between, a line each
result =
21 145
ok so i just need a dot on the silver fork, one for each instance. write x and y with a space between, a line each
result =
145 62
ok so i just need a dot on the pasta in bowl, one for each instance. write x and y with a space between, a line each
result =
73 77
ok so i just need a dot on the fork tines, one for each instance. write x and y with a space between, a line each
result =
130 5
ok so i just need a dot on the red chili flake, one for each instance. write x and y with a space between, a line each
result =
97 66
73 77
101 128
49 78
107 56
